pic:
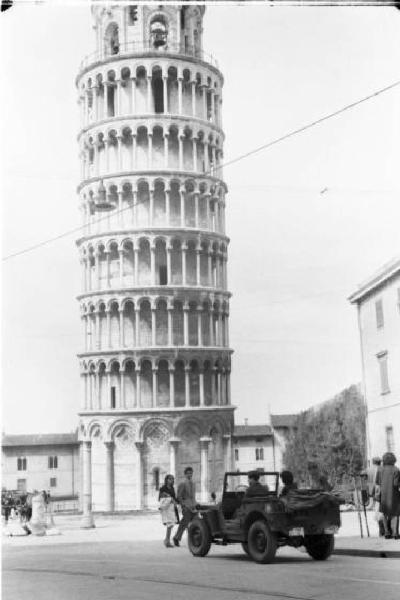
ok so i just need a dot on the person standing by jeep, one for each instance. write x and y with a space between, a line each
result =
186 496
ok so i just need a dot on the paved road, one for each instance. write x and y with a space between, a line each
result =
147 570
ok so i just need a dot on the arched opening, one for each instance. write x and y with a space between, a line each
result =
179 383
194 386
111 39
161 323
161 263
114 385
145 323
158 31
177 324
146 378
163 384
208 399
158 91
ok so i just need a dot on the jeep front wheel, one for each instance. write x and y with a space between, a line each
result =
245 547
199 537
261 542
319 547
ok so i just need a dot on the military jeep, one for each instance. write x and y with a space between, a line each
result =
264 523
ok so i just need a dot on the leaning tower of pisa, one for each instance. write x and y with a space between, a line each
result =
155 363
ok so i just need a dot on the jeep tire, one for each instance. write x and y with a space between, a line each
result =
199 537
319 547
245 547
261 542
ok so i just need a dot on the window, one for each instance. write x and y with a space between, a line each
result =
236 453
53 462
379 313
383 368
259 453
21 485
53 482
156 478
21 464
389 439
113 396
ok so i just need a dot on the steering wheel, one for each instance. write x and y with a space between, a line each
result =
241 488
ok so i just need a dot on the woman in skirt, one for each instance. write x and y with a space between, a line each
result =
168 508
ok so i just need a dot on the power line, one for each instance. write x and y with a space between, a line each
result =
228 163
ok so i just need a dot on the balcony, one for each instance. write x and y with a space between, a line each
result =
143 48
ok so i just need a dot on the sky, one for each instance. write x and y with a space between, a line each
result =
308 218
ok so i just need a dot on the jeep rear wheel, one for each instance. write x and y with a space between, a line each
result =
319 547
261 542
199 537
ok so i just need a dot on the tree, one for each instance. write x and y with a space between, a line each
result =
329 440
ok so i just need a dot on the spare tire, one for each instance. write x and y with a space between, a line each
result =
319 547
199 537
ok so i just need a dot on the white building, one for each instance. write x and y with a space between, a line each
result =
378 304
155 363
262 446
48 462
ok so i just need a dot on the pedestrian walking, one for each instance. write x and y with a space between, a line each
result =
371 473
388 495
167 506
187 499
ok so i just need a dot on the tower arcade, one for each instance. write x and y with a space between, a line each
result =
155 364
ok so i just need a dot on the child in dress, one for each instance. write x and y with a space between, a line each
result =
168 508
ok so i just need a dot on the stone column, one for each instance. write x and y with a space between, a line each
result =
210 277
198 266
196 209
168 207
182 198
166 151
204 102
204 491
136 265
180 141
185 324
87 521
194 140
105 97
133 157
153 264
207 198
121 212
119 153
199 326
169 317
149 94
153 326
211 326
97 330
171 386
193 98
219 388
228 386
121 267
201 385
206 162
137 326
108 325
109 476
173 452
165 94
187 387
227 451
138 388
169 266
139 475
155 386
107 269
180 80
150 151
122 403
118 97
184 250
121 327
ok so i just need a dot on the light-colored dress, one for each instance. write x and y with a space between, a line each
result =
167 509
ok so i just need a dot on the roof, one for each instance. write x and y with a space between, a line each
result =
379 278
40 439
283 420
252 431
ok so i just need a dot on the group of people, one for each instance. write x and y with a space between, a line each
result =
384 489
185 497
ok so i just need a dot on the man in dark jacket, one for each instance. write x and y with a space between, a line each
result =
255 487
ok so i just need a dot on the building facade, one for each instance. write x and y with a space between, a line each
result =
378 305
48 462
155 365
262 446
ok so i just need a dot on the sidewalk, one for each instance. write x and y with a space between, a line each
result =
146 526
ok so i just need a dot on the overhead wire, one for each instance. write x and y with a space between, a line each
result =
226 164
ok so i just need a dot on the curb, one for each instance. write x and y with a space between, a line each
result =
367 552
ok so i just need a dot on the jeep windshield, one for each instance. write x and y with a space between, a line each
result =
238 482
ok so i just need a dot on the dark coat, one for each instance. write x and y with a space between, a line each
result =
388 479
